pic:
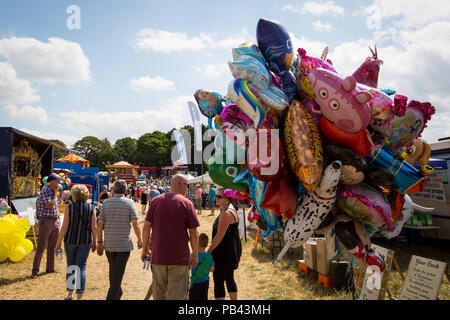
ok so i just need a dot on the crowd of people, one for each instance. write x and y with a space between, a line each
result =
181 259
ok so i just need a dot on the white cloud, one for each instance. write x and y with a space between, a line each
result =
114 125
14 90
214 71
290 7
316 8
57 60
147 83
27 113
313 47
320 26
68 140
166 41
411 14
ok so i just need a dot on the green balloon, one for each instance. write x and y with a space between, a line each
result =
224 174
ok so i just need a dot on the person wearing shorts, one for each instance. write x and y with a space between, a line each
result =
212 199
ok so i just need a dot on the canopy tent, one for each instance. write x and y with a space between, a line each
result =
203 180
123 170
121 165
73 158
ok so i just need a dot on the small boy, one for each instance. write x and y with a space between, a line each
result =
200 274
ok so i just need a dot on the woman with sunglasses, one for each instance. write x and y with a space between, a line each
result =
226 247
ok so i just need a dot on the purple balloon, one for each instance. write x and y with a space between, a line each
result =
275 44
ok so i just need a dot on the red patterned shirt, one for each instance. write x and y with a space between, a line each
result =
46 195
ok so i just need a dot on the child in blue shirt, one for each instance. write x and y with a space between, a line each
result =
200 274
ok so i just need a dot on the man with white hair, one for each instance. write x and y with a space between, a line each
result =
115 217
170 217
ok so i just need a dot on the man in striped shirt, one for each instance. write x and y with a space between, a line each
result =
115 217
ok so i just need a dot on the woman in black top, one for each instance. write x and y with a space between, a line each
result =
104 194
78 231
144 199
226 247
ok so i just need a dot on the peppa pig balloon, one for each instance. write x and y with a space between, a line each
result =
340 100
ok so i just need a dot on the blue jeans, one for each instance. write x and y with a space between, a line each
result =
76 261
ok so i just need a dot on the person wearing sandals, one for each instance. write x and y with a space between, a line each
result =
226 247
78 231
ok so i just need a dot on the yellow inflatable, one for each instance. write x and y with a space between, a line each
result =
7 225
27 245
4 252
17 254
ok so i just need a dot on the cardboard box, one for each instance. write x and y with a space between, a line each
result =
323 265
309 254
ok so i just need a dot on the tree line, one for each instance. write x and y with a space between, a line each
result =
150 149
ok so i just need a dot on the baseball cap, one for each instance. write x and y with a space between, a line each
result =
52 177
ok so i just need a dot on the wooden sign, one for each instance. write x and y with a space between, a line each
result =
375 282
423 279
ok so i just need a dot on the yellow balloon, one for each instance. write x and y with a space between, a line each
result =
7 225
13 217
25 224
17 254
4 252
16 238
27 245
61 174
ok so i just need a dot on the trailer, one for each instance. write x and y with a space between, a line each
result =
437 191
24 160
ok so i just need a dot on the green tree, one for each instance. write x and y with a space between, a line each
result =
153 149
126 149
108 156
90 148
60 152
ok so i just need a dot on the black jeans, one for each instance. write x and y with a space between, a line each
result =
199 291
117 263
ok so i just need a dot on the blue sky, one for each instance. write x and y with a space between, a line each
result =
132 65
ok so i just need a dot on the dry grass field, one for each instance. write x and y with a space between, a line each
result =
256 278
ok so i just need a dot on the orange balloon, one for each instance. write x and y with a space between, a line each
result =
360 143
303 145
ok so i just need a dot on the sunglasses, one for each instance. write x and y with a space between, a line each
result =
220 197
184 183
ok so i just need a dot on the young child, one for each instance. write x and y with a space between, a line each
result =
200 274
